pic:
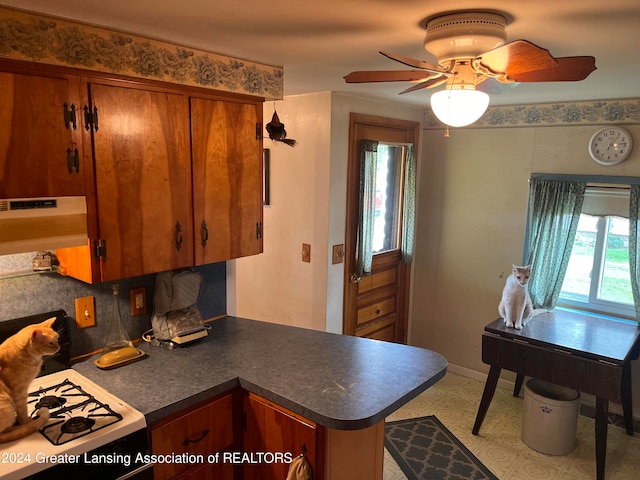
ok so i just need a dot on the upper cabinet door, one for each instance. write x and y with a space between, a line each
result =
143 180
40 151
226 148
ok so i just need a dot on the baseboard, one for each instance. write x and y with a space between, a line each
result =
482 377
587 402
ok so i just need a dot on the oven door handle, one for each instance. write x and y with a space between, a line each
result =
134 473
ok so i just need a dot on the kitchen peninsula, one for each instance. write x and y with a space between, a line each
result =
340 387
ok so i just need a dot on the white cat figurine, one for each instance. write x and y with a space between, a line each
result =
515 307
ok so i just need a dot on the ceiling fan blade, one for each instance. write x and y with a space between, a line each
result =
569 69
387 76
412 62
515 57
430 83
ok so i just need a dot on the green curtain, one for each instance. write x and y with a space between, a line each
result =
554 208
634 260
409 205
368 163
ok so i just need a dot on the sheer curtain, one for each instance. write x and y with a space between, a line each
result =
409 205
554 208
634 258
368 162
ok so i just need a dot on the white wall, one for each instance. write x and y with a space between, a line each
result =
473 208
471 227
308 198
277 286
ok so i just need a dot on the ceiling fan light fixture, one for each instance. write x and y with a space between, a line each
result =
459 105
464 34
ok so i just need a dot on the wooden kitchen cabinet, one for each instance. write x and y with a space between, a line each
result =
272 429
144 191
254 431
142 221
172 174
226 145
143 180
40 149
203 431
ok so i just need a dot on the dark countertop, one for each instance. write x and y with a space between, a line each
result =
338 381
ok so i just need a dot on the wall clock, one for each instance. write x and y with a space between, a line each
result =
610 145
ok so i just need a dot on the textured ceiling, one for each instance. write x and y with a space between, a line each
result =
318 42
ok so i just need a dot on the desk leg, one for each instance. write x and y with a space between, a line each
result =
602 410
627 404
518 386
487 396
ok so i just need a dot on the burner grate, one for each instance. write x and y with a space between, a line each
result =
74 412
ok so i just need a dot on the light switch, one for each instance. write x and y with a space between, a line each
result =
337 255
306 252
85 312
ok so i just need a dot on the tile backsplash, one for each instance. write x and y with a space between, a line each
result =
21 296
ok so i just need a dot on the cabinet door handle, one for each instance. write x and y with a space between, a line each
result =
178 235
76 160
205 233
70 160
187 441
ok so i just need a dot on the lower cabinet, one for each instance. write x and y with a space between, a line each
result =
240 436
274 432
205 431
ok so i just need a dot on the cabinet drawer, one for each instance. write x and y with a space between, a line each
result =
203 431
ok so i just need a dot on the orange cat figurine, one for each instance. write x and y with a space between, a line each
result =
20 362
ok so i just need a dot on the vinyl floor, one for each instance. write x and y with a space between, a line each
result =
454 400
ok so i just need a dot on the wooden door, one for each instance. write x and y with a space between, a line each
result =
376 305
227 179
40 152
273 429
143 180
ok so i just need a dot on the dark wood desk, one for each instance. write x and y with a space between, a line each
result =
579 351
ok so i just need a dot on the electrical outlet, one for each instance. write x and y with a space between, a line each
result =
138 299
85 312
306 252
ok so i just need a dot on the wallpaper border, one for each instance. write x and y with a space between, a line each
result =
52 40
553 114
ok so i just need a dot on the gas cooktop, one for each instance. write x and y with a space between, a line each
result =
84 416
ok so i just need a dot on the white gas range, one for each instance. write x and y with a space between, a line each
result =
84 417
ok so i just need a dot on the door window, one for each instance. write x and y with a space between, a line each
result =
386 224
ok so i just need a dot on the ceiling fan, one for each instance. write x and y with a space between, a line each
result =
473 56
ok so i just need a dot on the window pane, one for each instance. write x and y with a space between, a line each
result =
616 279
387 214
577 281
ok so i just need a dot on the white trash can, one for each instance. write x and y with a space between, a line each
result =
550 417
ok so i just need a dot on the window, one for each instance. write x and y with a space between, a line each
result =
598 277
386 224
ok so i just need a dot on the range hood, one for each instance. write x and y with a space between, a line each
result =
31 224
